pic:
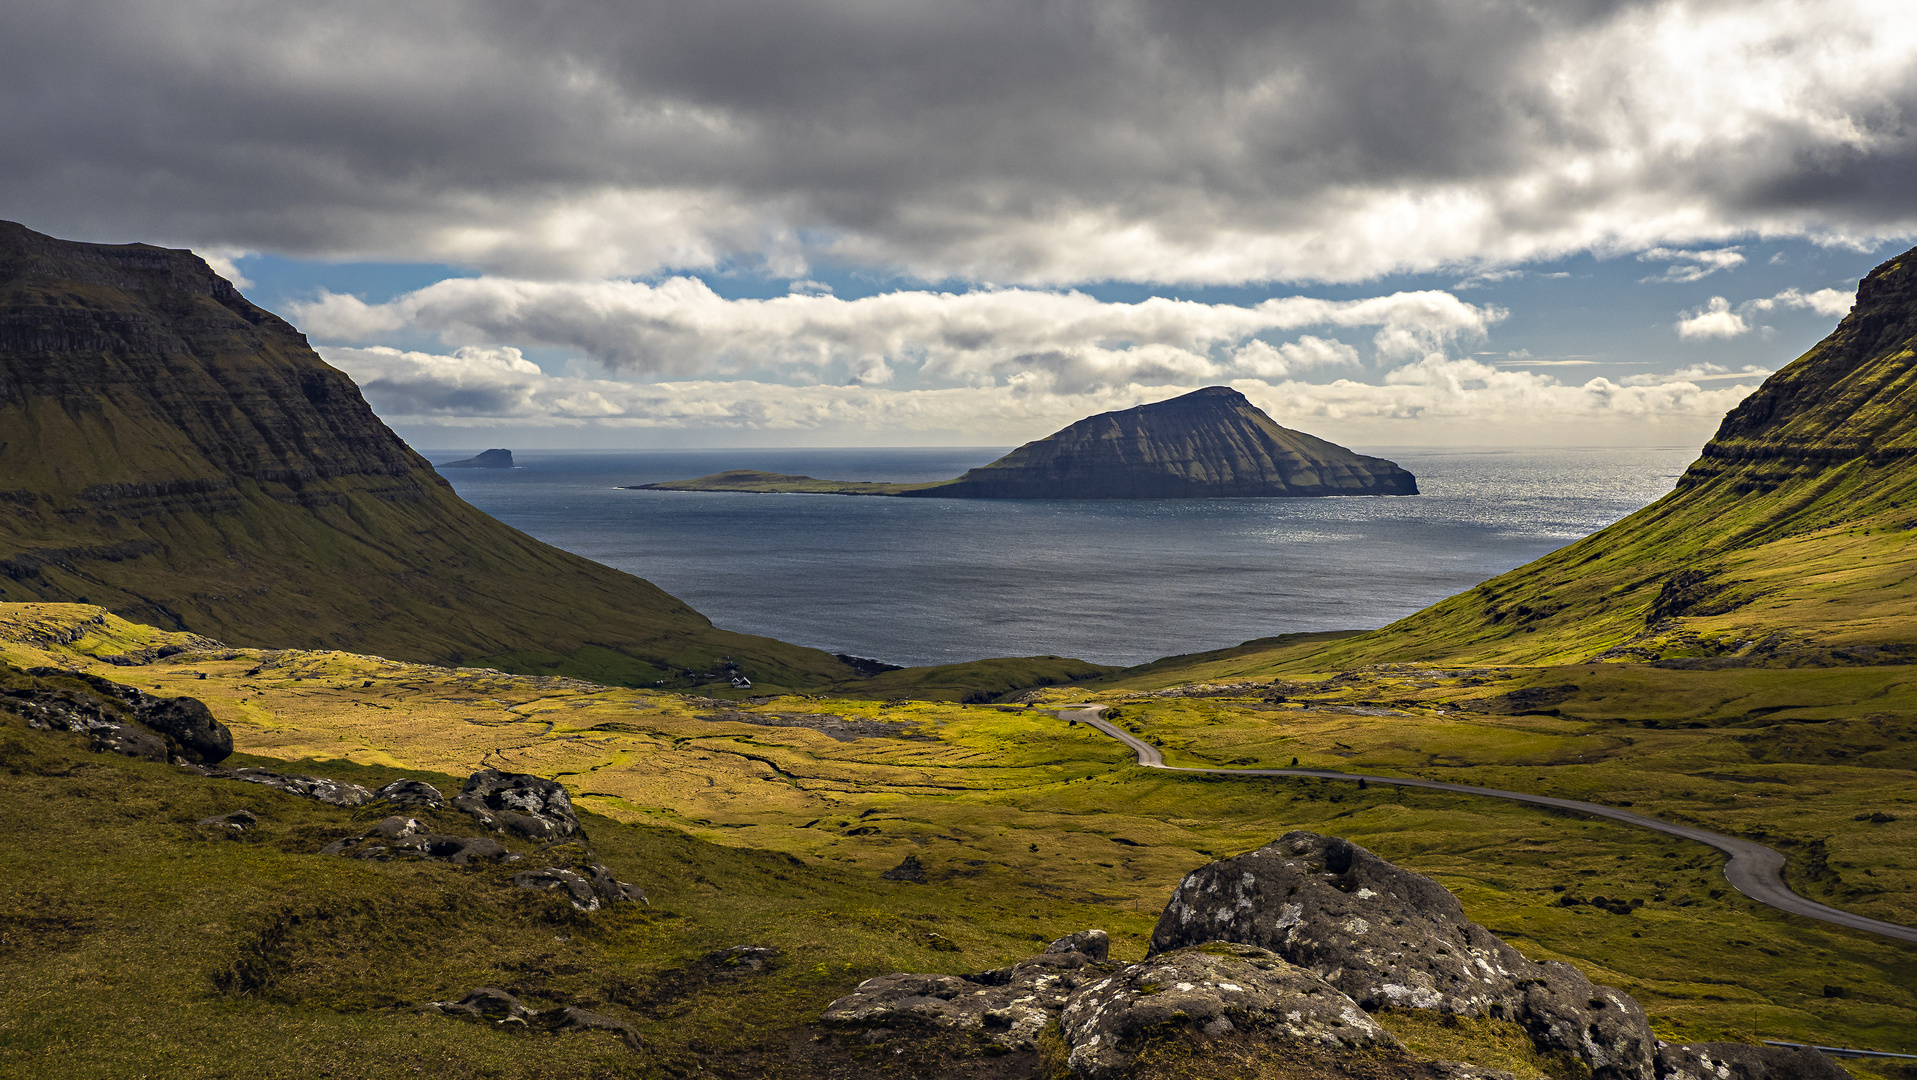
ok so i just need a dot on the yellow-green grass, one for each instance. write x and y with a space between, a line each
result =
1045 819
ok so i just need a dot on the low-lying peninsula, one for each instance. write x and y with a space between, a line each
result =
1210 443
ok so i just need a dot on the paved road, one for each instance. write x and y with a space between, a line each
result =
1752 869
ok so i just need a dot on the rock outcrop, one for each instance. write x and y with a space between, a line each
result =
120 719
1210 990
532 806
321 788
1741 1061
1288 951
403 837
1004 1009
181 457
587 892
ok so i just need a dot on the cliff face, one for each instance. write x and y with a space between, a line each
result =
181 457
1210 443
1788 541
1852 397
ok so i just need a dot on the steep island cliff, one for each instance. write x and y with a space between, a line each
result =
181 457
1210 443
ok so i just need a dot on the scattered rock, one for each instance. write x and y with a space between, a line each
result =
909 870
531 806
404 837
741 960
1004 1009
489 1004
236 822
413 793
331 792
1208 992
1389 937
586 893
1739 1061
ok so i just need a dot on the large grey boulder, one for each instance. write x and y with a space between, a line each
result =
1388 937
1003 1009
190 724
1204 993
1740 1061
531 806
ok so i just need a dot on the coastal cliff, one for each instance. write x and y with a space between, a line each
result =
1208 444
181 457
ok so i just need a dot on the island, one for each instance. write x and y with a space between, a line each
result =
1210 443
488 459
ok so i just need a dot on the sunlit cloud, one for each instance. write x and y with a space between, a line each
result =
1070 341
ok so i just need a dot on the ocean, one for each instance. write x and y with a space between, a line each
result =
934 581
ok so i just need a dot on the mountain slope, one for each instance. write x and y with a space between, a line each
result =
1210 443
181 457
1789 540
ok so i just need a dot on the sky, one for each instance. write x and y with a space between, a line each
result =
587 223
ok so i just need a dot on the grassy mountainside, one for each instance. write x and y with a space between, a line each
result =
752 823
1789 540
175 454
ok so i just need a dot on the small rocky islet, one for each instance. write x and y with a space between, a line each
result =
1209 444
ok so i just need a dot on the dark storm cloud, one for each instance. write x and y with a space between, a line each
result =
1067 140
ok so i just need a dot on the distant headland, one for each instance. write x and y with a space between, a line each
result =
1210 443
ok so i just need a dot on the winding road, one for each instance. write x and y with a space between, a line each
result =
1752 869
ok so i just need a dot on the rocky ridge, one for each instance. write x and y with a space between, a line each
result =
1290 950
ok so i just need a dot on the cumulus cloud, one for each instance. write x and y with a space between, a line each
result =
1072 141
1718 319
1068 341
1823 301
1713 320
498 388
